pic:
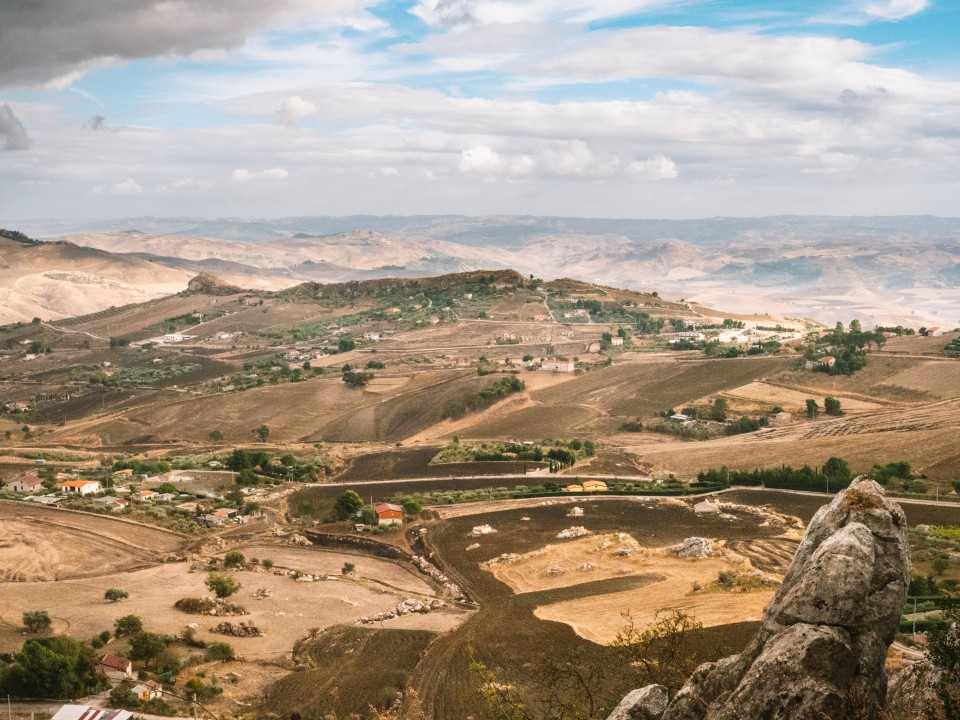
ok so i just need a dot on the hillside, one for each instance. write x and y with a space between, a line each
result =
887 270
58 280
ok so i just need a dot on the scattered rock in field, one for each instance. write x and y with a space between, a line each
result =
706 507
575 512
586 567
555 570
473 547
727 516
261 594
450 589
576 531
503 559
622 552
241 629
482 530
525 519
209 606
692 547
407 607
298 540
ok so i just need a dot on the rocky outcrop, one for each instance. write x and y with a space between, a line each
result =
646 703
823 639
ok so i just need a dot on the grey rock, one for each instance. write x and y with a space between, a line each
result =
646 703
823 639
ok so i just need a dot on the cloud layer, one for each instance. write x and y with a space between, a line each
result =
625 107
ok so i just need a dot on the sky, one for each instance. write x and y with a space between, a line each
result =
604 108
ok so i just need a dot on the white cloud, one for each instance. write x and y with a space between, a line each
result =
659 167
127 187
12 132
243 175
480 159
862 12
454 13
294 109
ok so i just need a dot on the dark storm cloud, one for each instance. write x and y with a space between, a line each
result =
41 40
12 132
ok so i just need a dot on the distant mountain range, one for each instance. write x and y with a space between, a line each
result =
881 270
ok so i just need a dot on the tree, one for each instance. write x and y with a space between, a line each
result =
124 698
167 487
220 652
346 344
838 472
941 564
812 408
348 504
832 406
262 432
356 379
221 585
115 594
146 646
943 648
411 507
348 567
233 558
665 652
51 667
36 620
127 625
247 478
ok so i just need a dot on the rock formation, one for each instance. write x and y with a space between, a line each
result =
823 639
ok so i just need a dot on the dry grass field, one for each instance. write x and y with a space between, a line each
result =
48 544
293 608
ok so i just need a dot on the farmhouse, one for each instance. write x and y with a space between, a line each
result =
125 473
85 712
115 667
80 487
114 503
146 495
147 691
389 514
565 366
616 341
828 361
371 336
25 483
933 332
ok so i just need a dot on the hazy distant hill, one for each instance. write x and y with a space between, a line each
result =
57 280
889 270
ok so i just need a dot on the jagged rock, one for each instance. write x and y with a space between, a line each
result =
555 570
693 547
237 630
482 530
575 512
646 703
823 639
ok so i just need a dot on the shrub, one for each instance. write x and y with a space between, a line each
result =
348 567
267 563
115 594
233 558
127 625
36 620
221 585
220 652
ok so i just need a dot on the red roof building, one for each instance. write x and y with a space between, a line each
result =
389 514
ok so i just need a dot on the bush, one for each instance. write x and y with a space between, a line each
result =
115 594
127 625
941 564
233 558
267 563
348 567
220 652
221 585
51 667
36 620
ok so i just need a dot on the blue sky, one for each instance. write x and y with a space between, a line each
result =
623 108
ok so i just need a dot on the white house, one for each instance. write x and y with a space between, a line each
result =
934 332
147 691
371 336
616 341
79 487
564 366
25 483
